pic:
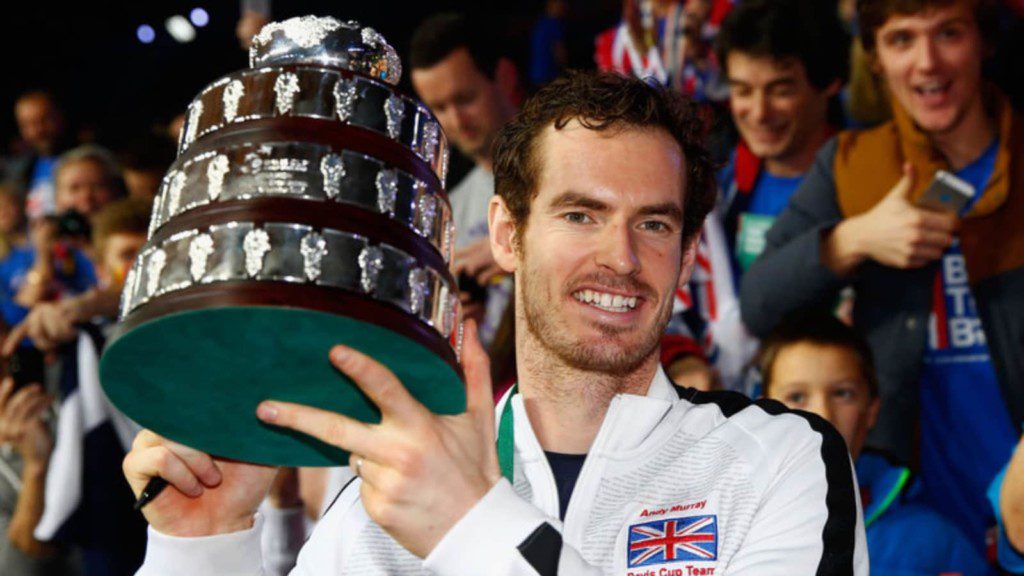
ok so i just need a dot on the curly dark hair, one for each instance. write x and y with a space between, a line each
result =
602 101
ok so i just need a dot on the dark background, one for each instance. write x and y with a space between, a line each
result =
115 87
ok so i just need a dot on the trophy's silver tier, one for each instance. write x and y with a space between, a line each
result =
326 41
306 92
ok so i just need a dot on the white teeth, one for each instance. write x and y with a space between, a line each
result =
932 87
609 302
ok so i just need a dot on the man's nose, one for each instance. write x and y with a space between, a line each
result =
617 250
759 108
927 58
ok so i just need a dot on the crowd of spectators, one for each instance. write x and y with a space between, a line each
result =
823 279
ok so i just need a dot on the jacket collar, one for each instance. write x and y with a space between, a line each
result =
917 148
881 484
629 420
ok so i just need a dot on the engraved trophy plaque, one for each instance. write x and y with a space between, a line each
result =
305 209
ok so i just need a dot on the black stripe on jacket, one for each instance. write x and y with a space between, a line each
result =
839 537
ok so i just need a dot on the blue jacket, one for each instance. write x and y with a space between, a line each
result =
906 537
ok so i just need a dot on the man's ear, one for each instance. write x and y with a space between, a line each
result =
506 77
503 234
689 258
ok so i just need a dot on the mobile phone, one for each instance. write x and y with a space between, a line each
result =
26 366
947 192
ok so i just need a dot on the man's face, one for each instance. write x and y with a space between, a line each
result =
932 64
83 186
119 253
826 380
599 259
469 105
776 108
39 123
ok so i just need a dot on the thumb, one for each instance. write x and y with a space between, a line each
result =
477 367
904 189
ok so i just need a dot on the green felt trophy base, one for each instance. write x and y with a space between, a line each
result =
196 378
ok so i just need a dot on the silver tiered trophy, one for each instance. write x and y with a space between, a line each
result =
306 208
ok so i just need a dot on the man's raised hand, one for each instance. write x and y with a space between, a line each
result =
420 472
895 232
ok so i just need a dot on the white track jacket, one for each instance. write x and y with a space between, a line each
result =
677 483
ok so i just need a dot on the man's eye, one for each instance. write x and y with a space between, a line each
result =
898 39
951 33
655 226
577 217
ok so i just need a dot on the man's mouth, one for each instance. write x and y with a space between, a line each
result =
933 90
769 134
605 301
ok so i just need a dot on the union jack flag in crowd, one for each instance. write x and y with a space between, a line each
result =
673 540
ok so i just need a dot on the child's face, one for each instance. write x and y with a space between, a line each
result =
826 380
119 252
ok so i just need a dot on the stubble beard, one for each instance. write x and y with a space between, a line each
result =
604 356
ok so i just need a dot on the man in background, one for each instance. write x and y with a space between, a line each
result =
460 73
785 63
42 129
936 288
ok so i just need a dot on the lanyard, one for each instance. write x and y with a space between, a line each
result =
506 437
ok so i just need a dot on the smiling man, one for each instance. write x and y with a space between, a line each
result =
937 292
785 63
599 465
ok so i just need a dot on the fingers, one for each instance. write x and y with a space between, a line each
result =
33 407
6 389
140 466
928 238
330 427
14 338
474 259
199 463
383 388
477 367
22 401
367 470
905 187
945 222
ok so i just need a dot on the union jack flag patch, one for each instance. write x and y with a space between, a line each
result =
673 540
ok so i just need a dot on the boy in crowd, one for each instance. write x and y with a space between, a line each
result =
937 290
820 365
